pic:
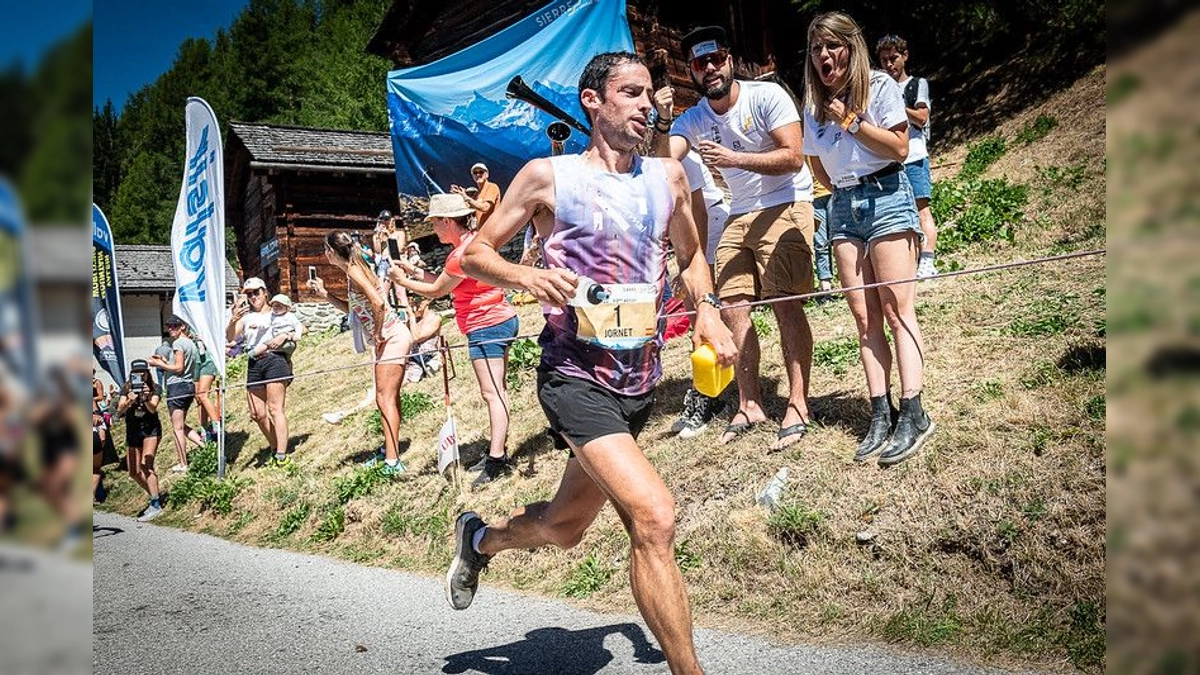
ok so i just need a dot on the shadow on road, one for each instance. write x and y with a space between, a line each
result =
554 650
99 531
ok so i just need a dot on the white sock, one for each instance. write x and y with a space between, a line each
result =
478 538
392 462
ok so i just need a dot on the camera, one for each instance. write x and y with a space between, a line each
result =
136 382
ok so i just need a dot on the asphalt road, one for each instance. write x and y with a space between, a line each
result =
167 601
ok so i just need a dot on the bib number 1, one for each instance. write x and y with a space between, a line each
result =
626 320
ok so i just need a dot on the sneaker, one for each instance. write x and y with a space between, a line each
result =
482 463
150 513
462 579
883 421
493 469
376 458
390 470
912 429
925 267
703 412
690 403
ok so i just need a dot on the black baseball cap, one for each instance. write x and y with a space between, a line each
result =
175 321
703 40
139 364
385 215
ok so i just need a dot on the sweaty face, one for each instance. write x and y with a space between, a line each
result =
893 62
623 115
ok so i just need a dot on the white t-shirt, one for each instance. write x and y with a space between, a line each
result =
761 108
700 178
262 327
844 158
917 135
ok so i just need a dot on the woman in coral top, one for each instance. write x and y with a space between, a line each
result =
483 315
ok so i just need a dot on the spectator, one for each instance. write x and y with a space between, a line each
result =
180 388
138 403
893 56
483 315
55 420
487 195
426 359
269 371
164 352
412 256
206 375
750 132
821 250
856 131
385 328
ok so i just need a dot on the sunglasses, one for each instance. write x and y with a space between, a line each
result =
255 291
817 47
479 172
717 58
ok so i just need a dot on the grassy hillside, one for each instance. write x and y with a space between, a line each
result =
988 544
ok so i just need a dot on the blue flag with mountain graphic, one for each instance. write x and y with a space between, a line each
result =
449 114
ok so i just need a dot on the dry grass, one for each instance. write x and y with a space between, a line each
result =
989 544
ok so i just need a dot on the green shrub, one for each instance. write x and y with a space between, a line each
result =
762 320
925 625
235 368
796 524
292 520
332 525
587 577
524 355
413 403
837 354
992 210
981 155
360 483
685 557
1035 130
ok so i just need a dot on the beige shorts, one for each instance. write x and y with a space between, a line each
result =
767 254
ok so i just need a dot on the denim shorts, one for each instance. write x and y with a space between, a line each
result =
918 178
491 342
877 208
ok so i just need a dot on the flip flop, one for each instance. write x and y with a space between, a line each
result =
794 432
737 429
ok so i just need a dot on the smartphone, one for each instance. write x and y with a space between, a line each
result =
312 273
356 237
136 382
393 248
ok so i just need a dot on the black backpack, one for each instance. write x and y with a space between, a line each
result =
910 99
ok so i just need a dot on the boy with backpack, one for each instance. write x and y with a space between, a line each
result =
893 56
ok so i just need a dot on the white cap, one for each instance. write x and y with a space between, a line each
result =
478 165
252 283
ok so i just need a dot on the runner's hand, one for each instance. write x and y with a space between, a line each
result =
552 287
711 330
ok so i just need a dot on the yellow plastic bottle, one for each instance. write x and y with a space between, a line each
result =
709 377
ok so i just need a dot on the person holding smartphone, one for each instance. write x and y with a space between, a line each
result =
387 328
138 404
483 315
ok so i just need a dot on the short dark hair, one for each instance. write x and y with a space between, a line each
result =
599 70
892 42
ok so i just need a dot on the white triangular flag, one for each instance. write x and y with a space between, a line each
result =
447 447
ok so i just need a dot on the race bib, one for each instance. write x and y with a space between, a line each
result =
627 319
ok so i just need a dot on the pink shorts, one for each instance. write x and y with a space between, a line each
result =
396 342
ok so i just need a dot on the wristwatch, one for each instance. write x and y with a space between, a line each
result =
710 298
855 125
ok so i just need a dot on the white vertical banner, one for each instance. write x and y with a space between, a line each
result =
198 233
447 447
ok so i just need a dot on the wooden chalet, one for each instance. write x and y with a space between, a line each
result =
289 186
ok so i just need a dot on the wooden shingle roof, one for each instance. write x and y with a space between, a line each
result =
147 267
316 148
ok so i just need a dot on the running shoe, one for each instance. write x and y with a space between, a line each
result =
462 579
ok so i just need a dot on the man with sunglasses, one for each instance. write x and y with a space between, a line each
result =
486 198
749 131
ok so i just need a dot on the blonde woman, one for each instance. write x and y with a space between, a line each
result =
856 130
381 324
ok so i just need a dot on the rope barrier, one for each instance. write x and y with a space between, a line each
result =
445 348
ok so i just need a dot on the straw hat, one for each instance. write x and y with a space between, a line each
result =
448 206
